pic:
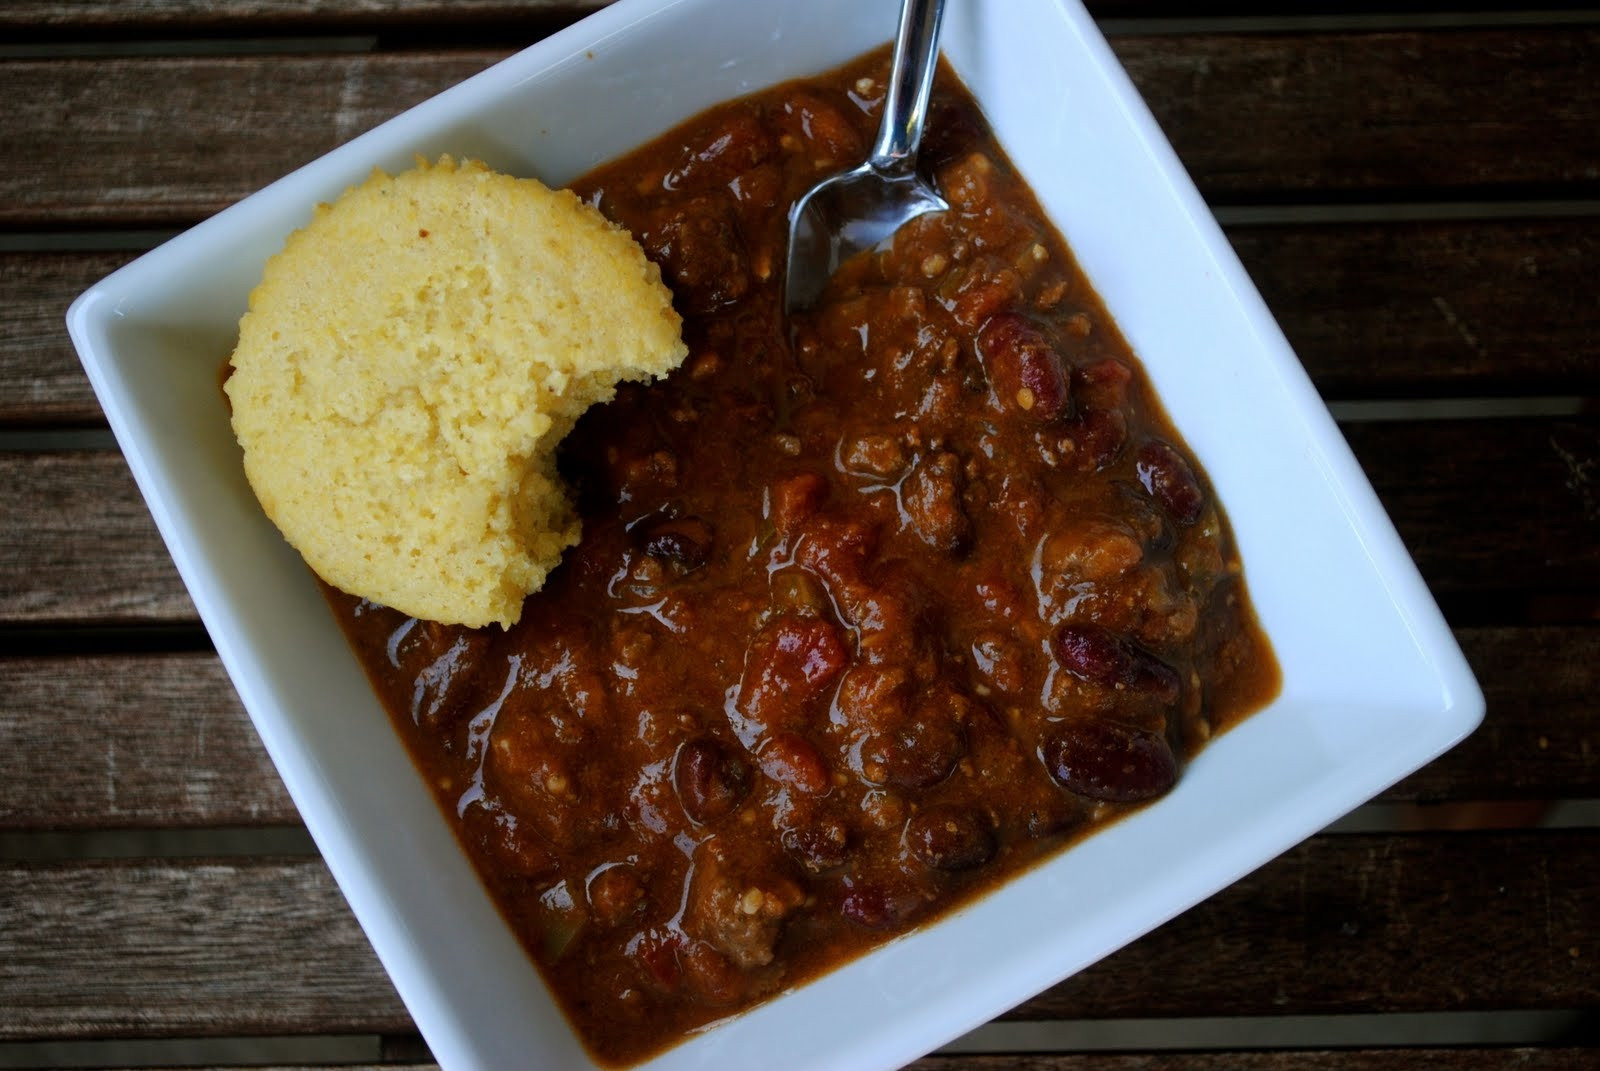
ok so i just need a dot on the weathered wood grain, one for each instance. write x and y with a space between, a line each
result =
1404 309
168 140
1540 738
1277 115
155 740
37 17
1436 309
1340 924
41 381
78 546
1488 507
1484 506
198 949
163 140
1467 921
160 741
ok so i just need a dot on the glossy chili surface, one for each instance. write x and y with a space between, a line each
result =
871 610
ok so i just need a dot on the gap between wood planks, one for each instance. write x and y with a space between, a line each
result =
1349 411
495 32
1070 1036
136 240
225 843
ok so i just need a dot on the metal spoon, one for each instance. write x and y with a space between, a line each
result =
857 210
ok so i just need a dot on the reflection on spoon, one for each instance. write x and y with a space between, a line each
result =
858 210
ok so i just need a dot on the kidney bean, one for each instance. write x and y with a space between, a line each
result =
818 845
1026 373
949 838
922 750
931 497
878 904
792 760
683 541
1109 761
710 781
1099 656
873 698
1097 437
1170 480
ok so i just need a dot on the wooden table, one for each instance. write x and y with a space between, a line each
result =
1418 196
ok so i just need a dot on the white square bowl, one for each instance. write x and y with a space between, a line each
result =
1373 683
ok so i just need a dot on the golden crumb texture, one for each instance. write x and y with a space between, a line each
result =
408 365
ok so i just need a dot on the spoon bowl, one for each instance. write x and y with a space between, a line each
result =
860 209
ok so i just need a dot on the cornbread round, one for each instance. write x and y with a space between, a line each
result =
408 365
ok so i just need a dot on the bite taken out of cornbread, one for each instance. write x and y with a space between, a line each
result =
410 362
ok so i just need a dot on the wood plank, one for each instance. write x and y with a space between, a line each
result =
1506 1059
1486 507
1340 924
79 547
1437 309
131 741
1419 1059
1376 113
161 141
167 140
1370 924
1373 310
1540 739
125 741
60 17
1522 1058
41 380
57 18
263 947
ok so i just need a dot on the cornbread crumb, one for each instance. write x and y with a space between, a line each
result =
408 365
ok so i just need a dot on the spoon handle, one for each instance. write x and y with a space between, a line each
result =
916 54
